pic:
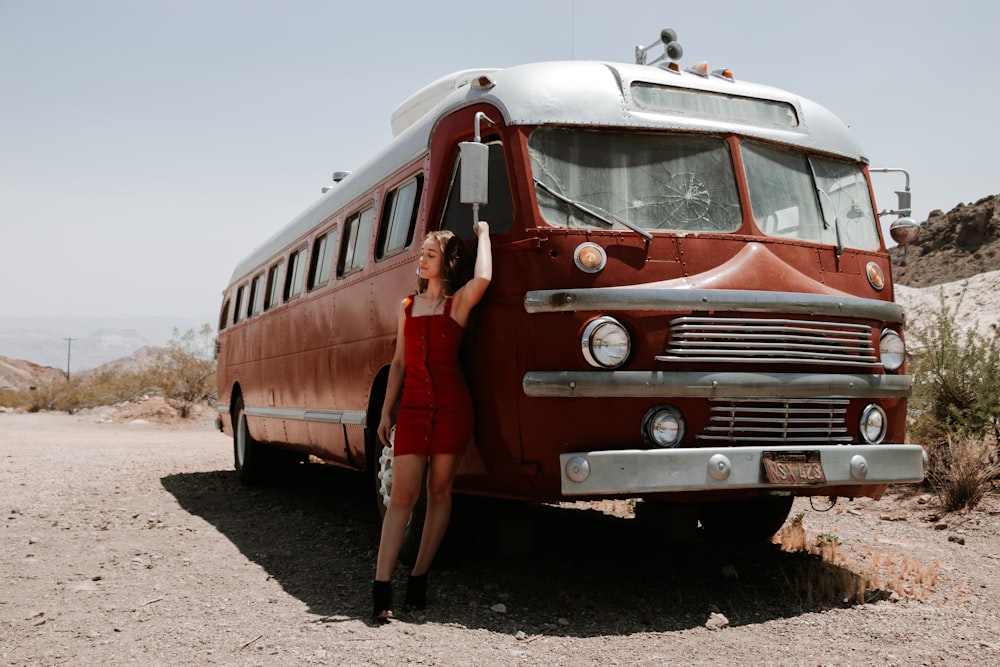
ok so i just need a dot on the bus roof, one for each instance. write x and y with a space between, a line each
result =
582 93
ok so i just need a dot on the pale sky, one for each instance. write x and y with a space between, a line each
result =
146 146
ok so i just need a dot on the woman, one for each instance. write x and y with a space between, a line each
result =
435 417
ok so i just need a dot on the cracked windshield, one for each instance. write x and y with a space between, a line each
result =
686 183
631 180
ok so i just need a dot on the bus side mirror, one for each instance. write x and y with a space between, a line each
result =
475 173
903 230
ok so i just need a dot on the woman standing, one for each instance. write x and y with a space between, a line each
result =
435 417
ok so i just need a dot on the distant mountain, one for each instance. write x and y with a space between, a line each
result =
95 341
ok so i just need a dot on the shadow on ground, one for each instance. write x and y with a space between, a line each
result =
556 571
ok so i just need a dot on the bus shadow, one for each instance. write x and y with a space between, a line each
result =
509 567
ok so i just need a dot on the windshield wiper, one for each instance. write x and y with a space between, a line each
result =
595 212
836 221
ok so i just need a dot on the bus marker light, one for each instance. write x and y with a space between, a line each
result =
590 257
700 68
577 469
875 276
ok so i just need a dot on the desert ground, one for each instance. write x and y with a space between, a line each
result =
127 540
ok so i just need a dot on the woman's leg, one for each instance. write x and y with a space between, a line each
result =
440 478
407 474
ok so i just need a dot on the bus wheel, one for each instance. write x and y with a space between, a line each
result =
249 456
751 520
382 476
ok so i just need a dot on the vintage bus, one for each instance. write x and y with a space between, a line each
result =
692 301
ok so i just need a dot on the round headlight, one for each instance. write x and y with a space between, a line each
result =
663 426
892 350
606 343
873 424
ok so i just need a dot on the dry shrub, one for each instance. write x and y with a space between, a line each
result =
829 573
962 471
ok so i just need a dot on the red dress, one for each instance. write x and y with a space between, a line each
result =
435 411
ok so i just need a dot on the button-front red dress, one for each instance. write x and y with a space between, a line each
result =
435 411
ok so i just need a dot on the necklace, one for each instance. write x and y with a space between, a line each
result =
432 305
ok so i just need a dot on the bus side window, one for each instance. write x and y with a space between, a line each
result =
275 277
354 249
322 259
224 315
296 273
241 300
256 294
499 212
399 216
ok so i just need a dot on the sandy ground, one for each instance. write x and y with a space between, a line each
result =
130 542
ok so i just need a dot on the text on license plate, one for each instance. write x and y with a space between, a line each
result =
793 468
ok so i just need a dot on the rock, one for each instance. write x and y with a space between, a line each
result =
729 573
499 608
957 539
717 622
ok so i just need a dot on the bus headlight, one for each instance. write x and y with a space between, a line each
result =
892 349
606 343
663 426
873 424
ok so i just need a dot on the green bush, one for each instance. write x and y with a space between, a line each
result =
186 369
955 407
956 375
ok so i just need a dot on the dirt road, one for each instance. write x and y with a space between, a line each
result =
134 544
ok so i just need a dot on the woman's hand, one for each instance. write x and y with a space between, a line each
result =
480 227
384 428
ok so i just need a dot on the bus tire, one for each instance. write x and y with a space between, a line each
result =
750 520
380 472
250 458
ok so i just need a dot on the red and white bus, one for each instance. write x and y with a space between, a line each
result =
691 300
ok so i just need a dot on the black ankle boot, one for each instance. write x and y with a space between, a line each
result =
382 600
416 592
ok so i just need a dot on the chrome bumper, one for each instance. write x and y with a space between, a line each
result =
723 468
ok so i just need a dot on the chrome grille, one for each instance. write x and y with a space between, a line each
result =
766 341
777 421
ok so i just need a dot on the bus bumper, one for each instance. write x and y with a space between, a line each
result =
634 471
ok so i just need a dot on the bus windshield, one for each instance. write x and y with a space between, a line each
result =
686 183
809 198
588 179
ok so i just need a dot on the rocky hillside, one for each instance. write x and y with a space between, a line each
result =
21 375
961 243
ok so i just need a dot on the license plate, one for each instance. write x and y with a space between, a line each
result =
793 468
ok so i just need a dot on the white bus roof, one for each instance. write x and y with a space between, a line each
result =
571 93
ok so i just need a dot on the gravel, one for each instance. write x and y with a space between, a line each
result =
128 540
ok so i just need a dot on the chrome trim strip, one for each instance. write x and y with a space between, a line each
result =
712 384
222 409
723 468
699 300
348 417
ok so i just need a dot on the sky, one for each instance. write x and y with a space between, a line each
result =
146 146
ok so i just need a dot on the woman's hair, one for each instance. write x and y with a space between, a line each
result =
456 265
